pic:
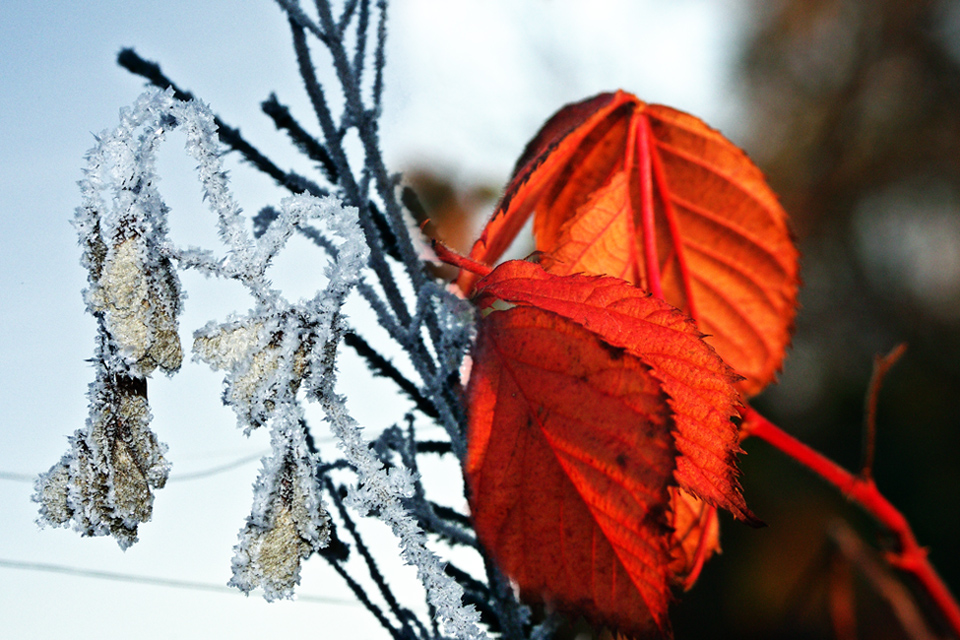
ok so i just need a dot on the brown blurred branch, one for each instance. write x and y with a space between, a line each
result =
883 582
881 366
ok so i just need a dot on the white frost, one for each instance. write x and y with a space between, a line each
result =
104 484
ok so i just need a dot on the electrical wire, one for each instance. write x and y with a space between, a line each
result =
205 473
175 477
160 582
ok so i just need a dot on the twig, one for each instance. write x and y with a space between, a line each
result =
373 570
295 183
306 143
881 366
383 367
840 598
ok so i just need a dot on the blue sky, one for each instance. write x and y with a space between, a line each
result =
468 82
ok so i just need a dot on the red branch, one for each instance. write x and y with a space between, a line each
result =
449 256
910 557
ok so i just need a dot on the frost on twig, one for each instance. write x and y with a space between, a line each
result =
133 287
381 491
104 484
278 353
266 356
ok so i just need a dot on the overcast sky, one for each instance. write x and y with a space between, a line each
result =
468 83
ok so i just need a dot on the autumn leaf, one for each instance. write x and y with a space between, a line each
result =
698 383
570 459
569 373
665 258
656 197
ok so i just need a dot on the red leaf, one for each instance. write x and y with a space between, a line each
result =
564 377
570 458
655 196
695 379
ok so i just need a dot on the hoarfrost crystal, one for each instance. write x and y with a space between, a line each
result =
103 484
259 369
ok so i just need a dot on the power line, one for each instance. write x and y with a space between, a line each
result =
17 477
174 477
160 582
215 470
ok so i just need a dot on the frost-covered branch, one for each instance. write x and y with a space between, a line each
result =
382 491
279 353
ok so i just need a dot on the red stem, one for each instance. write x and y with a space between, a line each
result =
451 257
911 557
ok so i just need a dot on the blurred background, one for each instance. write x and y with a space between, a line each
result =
853 111
851 107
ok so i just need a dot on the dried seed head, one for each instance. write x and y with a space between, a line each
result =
139 306
288 522
51 492
104 484
265 361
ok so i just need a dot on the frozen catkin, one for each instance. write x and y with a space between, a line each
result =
133 286
104 484
264 357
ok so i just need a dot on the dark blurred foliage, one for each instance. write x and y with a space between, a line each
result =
852 108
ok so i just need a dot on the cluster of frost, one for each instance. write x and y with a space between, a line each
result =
266 356
279 353
288 522
272 357
134 290
103 484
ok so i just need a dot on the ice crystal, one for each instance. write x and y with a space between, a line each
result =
259 369
133 286
104 484
380 491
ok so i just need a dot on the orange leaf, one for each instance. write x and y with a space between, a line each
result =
655 196
570 457
695 379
